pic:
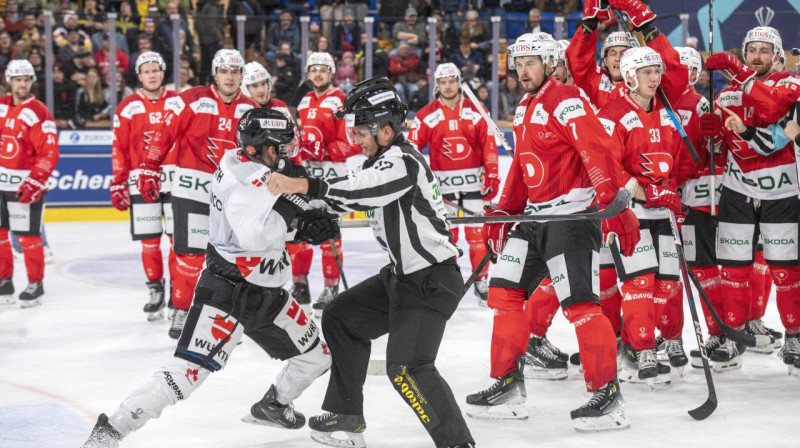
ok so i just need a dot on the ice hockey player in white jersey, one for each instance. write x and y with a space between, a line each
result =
239 292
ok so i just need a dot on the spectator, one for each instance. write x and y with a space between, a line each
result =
252 25
128 22
165 24
330 11
475 31
404 71
535 23
143 8
285 30
286 48
346 35
61 34
211 23
563 7
90 19
346 76
159 45
420 98
483 96
119 38
469 62
298 7
390 12
411 31
90 102
184 6
7 50
37 61
63 98
511 93
72 46
703 85
102 59
15 22
122 90
502 59
188 48
187 75
380 59
31 31
78 67
143 45
453 12
320 46
285 82
313 33
426 8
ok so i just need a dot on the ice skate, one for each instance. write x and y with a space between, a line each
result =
728 356
178 321
756 327
270 412
300 293
103 435
642 367
7 292
349 428
155 306
712 343
675 354
542 361
504 400
32 296
605 411
777 335
790 353
328 294
481 289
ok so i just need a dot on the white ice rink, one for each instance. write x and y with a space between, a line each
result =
89 345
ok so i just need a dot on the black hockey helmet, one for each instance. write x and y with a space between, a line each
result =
372 102
261 127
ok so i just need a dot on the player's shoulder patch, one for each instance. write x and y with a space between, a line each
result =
666 120
686 115
49 127
204 105
434 118
174 104
28 116
305 102
539 115
608 125
241 108
606 85
470 114
332 102
3 110
569 109
703 106
728 98
132 108
519 114
631 120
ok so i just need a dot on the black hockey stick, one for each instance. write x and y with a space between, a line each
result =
707 408
711 157
477 270
335 251
626 27
466 212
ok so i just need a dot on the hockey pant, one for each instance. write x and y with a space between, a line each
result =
221 313
25 220
411 308
153 260
477 248
301 255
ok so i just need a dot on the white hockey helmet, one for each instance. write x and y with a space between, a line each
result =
691 59
150 56
321 58
447 70
227 58
254 73
534 44
766 34
19 67
639 57
615 39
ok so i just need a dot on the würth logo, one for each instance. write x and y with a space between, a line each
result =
222 328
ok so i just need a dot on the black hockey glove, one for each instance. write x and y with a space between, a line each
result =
316 226
290 169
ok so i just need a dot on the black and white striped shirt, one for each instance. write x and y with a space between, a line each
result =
404 207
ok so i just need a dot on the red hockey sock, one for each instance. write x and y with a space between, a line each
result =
761 286
477 249
454 231
6 256
787 296
540 308
639 311
172 263
610 298
329 268
187 272
668 298
510 331
710 278
33 250
152 259
300 255
596 343
736 295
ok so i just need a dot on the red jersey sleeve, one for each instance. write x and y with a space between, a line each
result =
120 147
489 145
44 139
420 133
676 77
584 70
773 103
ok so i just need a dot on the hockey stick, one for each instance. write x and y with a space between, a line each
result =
707 408
477 270
626 27
479 106
335 251
452 204
711 100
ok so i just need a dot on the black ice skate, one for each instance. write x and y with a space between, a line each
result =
155 306
756 327
32 296
103 435
300 293
794 370
326 427
675 353
642 367
728 356
790 353
178 321
7 292
270 412
712 343
481 289
328 293
605 411
543 361
505 399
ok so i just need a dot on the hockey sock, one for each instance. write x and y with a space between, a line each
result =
330 270
510 331
736 295
477 248
152 259
172 264
610 298
187 272
454 231
639 311
596 343
761 286
669 301
6 256
300 255
710 278
540 308
787 296
33 250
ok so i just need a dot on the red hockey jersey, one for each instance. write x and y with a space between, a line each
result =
462 147
29 142
202 127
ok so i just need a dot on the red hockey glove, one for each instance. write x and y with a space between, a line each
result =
149 182
491 186
662 196
626 227
495 234
740 73
637 11
596 9
30 191
120 196
311 150
711 127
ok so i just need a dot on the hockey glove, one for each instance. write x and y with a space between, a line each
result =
637 11
740 73
657 196
626 227
495 234
711 127
288 168
491 186
120 196
311 150
149 182
317 225
596 9
30 191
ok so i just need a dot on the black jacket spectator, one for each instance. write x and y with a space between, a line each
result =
252 26
346 37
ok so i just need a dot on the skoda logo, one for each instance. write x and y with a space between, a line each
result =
74 137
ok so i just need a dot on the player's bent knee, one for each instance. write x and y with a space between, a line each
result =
582 310
179 379
506 299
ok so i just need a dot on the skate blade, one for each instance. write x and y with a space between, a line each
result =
544 374
7 300
351 440
154 316
761 349
677 372
261 422
614 421
499 412
30 303
720 367
794 371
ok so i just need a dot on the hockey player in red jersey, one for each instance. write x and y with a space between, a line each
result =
463 156
136 119
202 126
759 195
257 84
325 150
562 164
29 154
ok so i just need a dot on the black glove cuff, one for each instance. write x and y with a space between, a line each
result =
317 188
286 209
649 31
589 25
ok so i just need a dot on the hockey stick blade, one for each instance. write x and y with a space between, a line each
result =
705 409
